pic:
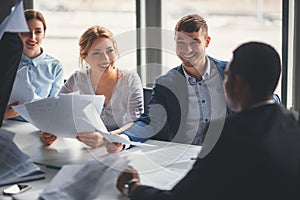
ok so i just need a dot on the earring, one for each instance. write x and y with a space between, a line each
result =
87 68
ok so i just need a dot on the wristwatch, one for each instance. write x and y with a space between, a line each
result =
127 186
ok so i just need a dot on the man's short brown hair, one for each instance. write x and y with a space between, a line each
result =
192 23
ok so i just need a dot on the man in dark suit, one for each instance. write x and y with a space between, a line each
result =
257 155
11 47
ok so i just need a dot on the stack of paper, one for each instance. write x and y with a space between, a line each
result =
61 116
93 180
69 114
15 166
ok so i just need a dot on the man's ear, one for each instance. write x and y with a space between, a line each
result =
238 78
242 87
207 41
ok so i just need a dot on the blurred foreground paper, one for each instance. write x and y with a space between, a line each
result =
15 21
15 166
61 116
94 180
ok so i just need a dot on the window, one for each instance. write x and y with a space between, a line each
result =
67 20
230 23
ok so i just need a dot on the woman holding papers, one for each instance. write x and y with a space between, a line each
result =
42 72
99 76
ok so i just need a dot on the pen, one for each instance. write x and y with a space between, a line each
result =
194 158
53 167
49 166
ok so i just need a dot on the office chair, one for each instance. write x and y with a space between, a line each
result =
147 96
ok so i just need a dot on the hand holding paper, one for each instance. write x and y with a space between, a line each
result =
61 116
91 139
96 122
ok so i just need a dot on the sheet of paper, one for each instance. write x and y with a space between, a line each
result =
38 113
93 180
61 116
95 121
15 22
22 90
164 179
154 173
165 165
172 154
22 109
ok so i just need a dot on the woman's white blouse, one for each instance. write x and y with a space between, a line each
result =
126 103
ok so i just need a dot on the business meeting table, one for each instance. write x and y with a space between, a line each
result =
160 164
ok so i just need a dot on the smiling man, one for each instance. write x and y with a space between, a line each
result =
189 92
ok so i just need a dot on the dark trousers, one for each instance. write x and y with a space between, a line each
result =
11 48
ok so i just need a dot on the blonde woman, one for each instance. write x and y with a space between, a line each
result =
99 76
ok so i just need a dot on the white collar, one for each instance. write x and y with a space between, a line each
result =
206 74
270 101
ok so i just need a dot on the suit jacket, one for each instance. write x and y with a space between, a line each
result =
166 113
256 157
11 47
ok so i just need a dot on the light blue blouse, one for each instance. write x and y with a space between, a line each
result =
45 74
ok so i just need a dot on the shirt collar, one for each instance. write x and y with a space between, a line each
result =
34 61
270 101
191 80
207 71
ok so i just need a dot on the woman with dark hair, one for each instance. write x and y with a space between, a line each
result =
44 72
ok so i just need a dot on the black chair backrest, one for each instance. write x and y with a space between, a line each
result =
163 133
147 96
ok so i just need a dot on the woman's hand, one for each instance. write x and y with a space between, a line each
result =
91 139
113 147
10 112
47 138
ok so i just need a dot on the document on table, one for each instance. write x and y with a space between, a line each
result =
15 166
173 154
93 180
63 115
22 90
96 122
160 168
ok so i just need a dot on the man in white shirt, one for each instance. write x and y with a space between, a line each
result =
189 92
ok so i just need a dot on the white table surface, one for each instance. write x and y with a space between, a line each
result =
149 161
